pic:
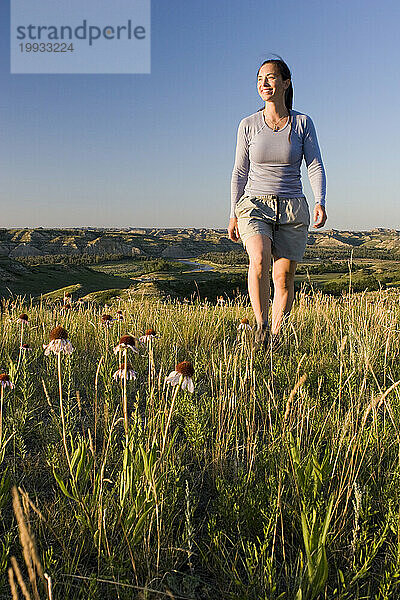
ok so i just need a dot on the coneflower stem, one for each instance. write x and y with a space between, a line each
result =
62 411
1 416
20 345
49 588
124 400
107 336
151 361
178 387
96 399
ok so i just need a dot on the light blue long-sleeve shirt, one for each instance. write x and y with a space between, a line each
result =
266 162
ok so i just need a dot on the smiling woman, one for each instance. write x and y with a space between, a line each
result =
269 211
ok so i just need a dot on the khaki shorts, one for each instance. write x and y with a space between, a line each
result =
284 220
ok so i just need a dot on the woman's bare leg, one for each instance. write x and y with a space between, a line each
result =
283 277
259 250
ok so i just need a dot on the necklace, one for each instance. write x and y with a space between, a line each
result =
274 125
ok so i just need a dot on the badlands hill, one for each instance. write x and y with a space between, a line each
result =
172 243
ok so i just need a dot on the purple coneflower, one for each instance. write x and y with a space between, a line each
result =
23 318
106 319
25 347
5 380
244 324
59 342
125 342
185 371
127 374
148 336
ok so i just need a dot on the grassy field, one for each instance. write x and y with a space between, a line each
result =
105 279
277 478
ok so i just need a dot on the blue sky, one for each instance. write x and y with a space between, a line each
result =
157 150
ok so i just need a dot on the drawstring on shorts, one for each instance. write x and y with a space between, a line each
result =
277 214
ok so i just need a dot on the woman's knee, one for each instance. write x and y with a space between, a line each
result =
259 252
259 262
283 280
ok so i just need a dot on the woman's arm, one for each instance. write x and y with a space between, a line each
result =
315 167
241 167
316 172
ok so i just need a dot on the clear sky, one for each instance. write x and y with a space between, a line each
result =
157 150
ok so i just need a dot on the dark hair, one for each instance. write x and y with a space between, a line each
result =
285 74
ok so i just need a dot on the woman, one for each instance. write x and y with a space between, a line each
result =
269 211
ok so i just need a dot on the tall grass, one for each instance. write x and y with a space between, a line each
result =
277 478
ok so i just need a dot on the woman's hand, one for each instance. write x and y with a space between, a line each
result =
233 230
320 216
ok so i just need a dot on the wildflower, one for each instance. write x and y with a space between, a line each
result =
25 347
185 371
126 341
5 381
244 324
148 336
127 374
106 319
23 318
119 315
59 342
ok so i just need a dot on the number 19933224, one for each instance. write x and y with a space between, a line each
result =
46 47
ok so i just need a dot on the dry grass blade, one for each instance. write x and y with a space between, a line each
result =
31 558
11 581
292 394
376 402
20 579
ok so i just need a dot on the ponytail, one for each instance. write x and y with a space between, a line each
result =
289 104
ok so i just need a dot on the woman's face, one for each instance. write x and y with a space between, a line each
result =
270 84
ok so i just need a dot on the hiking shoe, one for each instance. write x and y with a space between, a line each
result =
262 337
